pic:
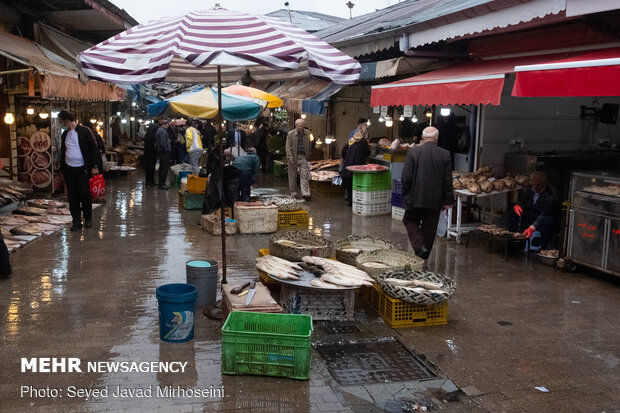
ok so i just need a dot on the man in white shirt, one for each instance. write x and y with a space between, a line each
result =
78 157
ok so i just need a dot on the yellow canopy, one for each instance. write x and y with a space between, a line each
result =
240 90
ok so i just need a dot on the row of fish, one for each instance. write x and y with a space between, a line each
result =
418 286
330 273
12 193
27 223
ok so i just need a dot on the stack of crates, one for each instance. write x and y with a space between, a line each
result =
371 193
280 169
398 203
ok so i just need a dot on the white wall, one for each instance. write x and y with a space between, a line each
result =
543 124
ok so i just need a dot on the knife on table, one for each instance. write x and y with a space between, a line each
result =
251 293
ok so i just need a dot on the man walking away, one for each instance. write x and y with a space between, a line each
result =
297 152
150 154
78 157
162 144
427 189
193 143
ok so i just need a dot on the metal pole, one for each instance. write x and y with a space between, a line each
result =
223 206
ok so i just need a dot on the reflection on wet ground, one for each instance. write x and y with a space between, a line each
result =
513 325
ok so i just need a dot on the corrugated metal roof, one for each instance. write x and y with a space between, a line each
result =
398 16
432 21
307 20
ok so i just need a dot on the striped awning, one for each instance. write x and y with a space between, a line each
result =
188 49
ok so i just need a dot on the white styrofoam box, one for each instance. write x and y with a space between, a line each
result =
371 209
398 213
372 197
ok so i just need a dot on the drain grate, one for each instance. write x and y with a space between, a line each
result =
371 361
340 328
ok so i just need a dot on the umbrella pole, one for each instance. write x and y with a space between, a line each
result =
223 206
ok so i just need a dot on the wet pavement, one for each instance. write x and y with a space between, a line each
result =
512 326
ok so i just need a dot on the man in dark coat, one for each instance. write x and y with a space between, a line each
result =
260 143
236 137
162 144
354 152
150 154
427 189
78 157
537 210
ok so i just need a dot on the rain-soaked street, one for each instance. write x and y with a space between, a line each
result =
521 337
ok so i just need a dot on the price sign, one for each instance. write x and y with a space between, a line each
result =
408 111
376 109
384 111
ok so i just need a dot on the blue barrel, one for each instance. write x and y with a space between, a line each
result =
176 312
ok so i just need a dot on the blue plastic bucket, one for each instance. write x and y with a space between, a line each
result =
184 174
176 312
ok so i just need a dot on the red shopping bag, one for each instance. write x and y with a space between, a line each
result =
97 187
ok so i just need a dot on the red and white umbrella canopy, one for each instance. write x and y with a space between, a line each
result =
189 48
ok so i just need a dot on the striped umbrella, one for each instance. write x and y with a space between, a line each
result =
189 48
272 100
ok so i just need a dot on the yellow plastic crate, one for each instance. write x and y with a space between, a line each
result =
293 219
266 279
196 184
397 313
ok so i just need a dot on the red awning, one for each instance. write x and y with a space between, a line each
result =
478 82
588 74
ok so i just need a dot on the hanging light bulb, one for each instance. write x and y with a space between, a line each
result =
44 115
123 120
381 119
251 127
140 120
328 140
133 104
389 122
311 137
118 114
30 111
319 142
303 116
402 118
100 123
414 119
9 118
93 120
445 111
428 113
368 122
132 118
54 114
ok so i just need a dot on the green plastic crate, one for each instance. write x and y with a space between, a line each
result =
280 169
364 181
192 201
267 344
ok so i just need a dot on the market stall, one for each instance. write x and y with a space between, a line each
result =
593 235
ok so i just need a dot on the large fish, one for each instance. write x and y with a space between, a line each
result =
26 210
58 211
26 230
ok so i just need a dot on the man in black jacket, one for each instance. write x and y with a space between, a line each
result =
78 157
150 154
236 137
427 189
537 210
162 144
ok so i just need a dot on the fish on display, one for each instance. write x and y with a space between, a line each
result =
26 230
26 210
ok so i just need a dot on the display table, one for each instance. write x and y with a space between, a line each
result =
505 240
457 229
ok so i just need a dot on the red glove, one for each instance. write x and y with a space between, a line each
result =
529 231
518 210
